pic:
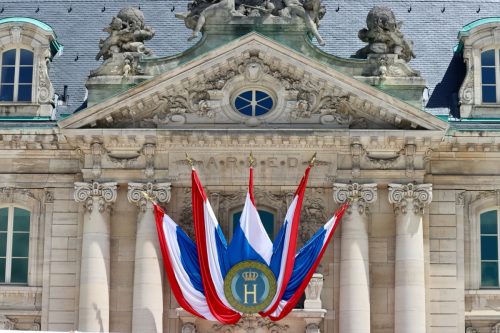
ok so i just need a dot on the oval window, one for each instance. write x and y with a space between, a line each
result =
253 103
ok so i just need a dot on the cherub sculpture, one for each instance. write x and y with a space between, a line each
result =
127 33
311 11
384 36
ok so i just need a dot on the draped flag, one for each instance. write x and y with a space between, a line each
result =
219 283
212 254
306 262
250 239
283 258
180 259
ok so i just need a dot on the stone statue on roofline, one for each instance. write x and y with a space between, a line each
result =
388 51
201 11
124 46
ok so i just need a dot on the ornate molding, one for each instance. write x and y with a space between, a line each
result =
251 324
9 194
97 150
403 196
104 193
313 292
313 328
6 323
49 196
149 151
361 194
495 194
159 192
356 152
189 328
410 151
460 198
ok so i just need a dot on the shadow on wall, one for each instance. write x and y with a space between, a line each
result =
445 95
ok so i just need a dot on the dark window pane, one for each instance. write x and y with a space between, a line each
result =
21 219
260 95
489 94
489 274
6 93
19 273
247 95
4 216
2 270
26 57
489 223
8 74
266 218
24 93
246 111
20 244
266 103
488 58
3 244
9 57
488 75
240 103
259 111
489 248
25 74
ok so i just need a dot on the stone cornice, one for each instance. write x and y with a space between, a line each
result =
410 196
158 192
104 193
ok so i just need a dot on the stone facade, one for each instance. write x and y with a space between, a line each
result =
407 257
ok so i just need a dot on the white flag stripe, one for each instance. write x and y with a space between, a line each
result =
211 225
195 298
255 232
279 280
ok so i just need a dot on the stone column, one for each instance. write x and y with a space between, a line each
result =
354 309
147 315
95 260
409 295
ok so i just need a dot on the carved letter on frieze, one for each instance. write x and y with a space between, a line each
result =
158 192
403 196
105 193
360 194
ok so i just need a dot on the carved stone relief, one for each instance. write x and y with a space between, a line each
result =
252 325
415 196
158 192
312 218
105 193
361 195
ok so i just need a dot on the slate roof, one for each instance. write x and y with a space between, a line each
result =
432 25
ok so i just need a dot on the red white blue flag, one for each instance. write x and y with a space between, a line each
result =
196 271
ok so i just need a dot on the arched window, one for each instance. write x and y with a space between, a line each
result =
14 244
16 75
267 219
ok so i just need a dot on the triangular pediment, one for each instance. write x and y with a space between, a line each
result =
201 93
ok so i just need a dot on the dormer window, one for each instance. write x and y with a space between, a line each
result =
16 75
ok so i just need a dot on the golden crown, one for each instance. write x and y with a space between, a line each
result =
250 275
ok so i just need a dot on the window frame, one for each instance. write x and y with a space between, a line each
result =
487 201
10 244
496 53
482 211
17 70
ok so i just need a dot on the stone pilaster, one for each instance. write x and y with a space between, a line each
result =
354 309
95 260
409 303
147 315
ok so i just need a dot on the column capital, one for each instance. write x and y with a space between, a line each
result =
361 194
104 193
411 194
159 192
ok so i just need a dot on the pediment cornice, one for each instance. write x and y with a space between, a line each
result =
308 94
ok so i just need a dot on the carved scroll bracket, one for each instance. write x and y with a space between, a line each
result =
159 192
410 196
104 193
361 195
